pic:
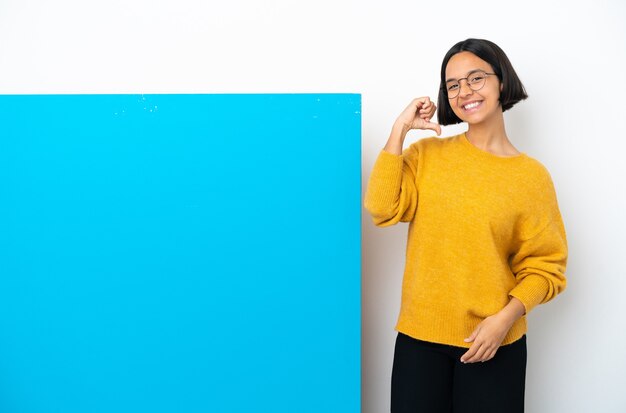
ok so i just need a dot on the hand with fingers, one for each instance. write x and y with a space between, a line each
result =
418 114
489 334
486 338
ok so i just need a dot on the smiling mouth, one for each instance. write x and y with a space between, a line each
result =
472 106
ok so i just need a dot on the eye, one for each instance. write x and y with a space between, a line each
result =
452 87
477 78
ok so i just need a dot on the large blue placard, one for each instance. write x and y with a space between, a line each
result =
180 253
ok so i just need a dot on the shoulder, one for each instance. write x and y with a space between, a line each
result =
537 196
536 165
536 174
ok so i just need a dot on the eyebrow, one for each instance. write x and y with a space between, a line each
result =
468 73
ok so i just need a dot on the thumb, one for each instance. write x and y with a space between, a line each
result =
433 126
472 337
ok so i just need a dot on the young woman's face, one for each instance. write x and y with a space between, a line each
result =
473 106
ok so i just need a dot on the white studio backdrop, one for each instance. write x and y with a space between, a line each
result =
569 54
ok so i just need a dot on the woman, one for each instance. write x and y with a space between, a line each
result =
486 241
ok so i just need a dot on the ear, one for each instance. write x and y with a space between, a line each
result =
501 87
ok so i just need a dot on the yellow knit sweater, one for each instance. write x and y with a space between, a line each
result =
482 228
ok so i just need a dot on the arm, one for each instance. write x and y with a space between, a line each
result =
539 268
539 255
539 265
391 194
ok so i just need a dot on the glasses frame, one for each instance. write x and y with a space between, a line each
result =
445 87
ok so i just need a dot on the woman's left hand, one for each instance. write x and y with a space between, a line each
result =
488 335
487 338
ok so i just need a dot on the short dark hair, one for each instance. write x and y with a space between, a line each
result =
512 89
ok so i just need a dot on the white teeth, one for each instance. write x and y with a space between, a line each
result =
471 105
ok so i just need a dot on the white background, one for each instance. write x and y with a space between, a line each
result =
570 55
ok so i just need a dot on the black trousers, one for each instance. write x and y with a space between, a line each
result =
430 378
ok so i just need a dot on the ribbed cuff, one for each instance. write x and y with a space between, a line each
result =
531 291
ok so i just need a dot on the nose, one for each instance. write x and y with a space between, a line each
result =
468 90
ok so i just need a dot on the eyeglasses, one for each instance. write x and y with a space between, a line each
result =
475 80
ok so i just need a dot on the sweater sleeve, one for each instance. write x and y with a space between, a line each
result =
539 263
391 194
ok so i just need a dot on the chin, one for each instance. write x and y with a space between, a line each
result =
469 119
474 120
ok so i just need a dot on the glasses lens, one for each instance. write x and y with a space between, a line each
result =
476 80
452 88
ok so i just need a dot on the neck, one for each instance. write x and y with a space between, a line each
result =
489 134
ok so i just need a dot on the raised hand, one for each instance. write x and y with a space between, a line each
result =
417 115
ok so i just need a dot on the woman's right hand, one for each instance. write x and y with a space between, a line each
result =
417 115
